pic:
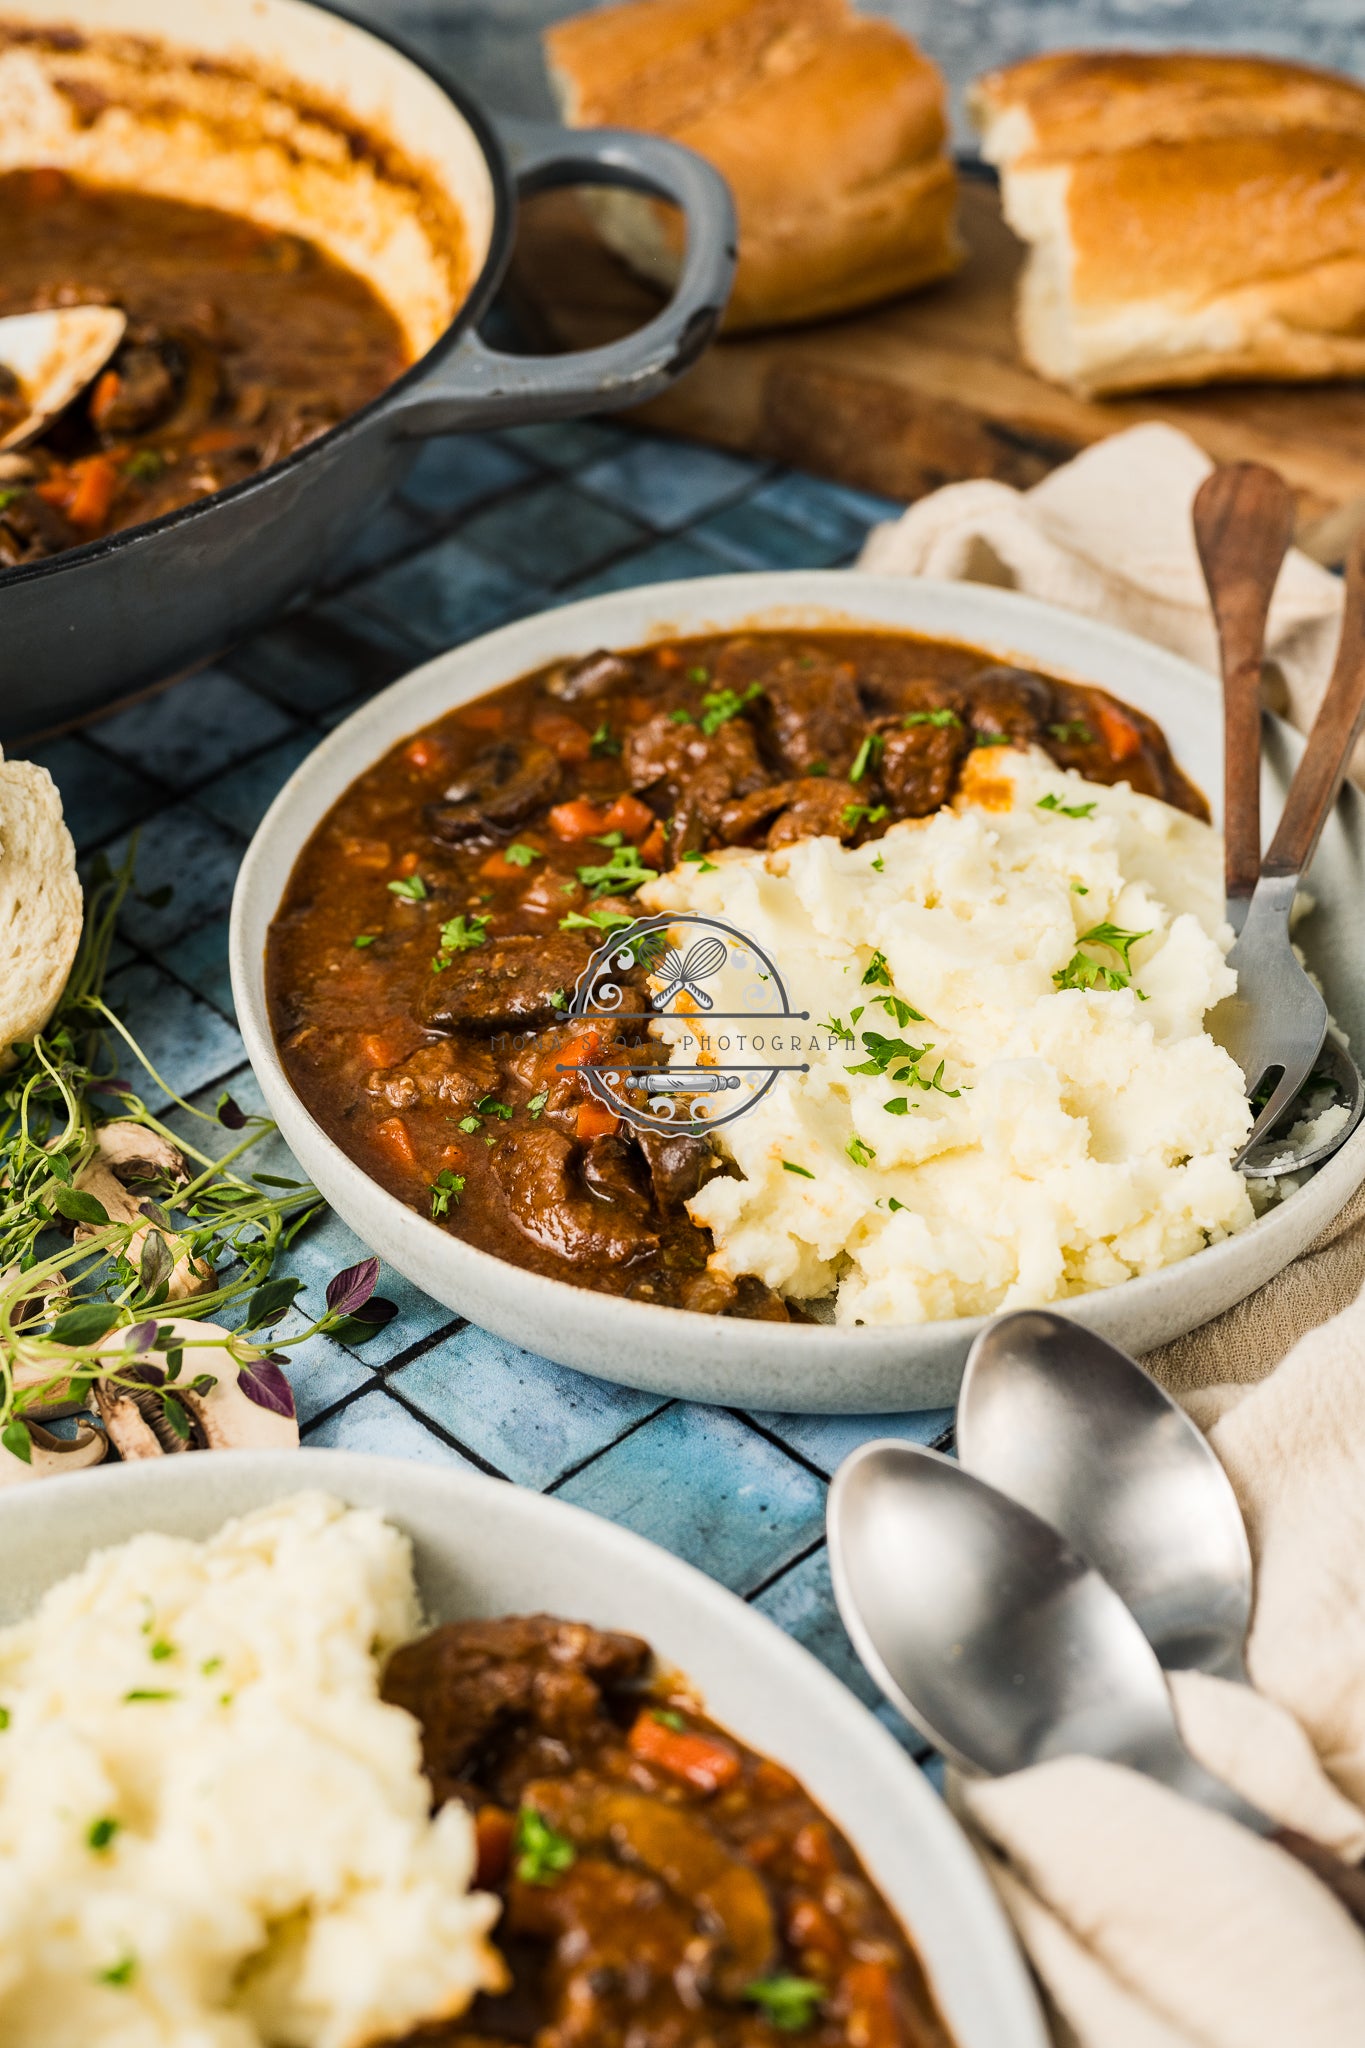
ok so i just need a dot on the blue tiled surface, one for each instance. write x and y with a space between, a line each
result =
490 528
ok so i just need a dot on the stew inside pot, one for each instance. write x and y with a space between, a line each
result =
437 922
663 1886
242 344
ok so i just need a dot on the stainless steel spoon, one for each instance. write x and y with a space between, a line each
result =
1003 1646
54 355
1075 1430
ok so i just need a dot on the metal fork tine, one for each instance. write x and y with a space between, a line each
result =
1290 1085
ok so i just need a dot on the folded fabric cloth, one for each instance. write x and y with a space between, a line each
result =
1110 535
1151 1922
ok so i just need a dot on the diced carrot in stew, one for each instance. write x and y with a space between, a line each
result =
811 1929
595 1120
215 440
564 736
1121 736
630 816
378 1051
577 819
702 1761
396 1139
772 1781
46 184
408 864
870 2007
638 709
423 753
580 1050
813 1847
96 489
484 717
107 389
366 853
493 1830
652 848
668 657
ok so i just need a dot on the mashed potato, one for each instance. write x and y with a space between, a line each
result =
213 1834
1073 1136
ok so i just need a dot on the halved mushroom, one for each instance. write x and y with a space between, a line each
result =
130 1152
223 1417
498 789
53 1454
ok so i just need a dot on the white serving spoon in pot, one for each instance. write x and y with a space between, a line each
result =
53 356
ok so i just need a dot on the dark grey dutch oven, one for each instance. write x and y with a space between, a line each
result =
88 626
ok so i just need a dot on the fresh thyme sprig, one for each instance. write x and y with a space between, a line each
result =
64 1297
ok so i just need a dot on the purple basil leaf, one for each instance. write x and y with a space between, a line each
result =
140 1337
349 1290
230 1115
113 1086
376 1312
263 1382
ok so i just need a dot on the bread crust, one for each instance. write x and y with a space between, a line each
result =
829 128
1191 219
40 902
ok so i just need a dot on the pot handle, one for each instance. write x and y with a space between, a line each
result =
477 386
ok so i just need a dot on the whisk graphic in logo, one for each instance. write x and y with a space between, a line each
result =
681 1022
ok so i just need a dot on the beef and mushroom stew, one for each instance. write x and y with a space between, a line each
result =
242 344
440 916
663 1885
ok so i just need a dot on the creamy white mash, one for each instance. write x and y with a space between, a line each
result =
1066 1121
213 1834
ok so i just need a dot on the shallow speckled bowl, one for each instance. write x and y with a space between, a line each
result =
771 1365
486 1548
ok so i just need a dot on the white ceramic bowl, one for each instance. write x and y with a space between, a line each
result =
773 1365
486 1548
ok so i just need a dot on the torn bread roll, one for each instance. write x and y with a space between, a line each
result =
40 902
1191 219
828 128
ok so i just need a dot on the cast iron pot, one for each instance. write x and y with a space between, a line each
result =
85 627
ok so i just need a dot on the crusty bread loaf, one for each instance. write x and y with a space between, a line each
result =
1191 218
829 128
40 902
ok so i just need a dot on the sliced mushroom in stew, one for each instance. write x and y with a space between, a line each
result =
438 920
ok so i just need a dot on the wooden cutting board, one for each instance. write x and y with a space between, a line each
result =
931 389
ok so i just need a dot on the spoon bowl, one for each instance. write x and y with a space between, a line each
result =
54 356
1073 1429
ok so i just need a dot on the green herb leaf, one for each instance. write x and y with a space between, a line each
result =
618 876
542 1853
699 675
859 1151
469 1124
85 1325
270 1302
77 1206
101 1832
147 1692
538 1102
595 920
718 707
867 756
446 1189
144 465
898 1106
790 2003
364 939
19 1444
1072 730
1052 802
943 717
853 814
156 1265
790 1166
119 1974
410 887
604 741
4 1719
700 862
680 717
489 1106
668 1717
990 739
520 855
892 1204
459 935
878 974
903 1012
1083 972
879 864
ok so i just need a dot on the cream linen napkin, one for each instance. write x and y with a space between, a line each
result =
1151 1922
1110 535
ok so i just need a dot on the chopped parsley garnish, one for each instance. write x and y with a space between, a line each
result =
160 1650
818 768
604 741
1072 730
458 935
679 716
1084 972
942 717
879 863
619 875
4 1719
101 1832
899 1105
700 862
878 974
542 1853
594 921
789 2002
538 1102
1052 802
411 888
144 465
119 1974
903 1012
718 707
699 675
893 1204
520 855
990 739
668 1717
447 1187
838 1027
364 938
488 1105
470 1124
11 497
790 1166
854 814
1079 889
900 1062
861 1153
867 756
146 1692
558 999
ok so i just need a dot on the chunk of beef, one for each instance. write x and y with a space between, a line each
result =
1009 701
1109 742
808 807
450 1076
30 529
697 773
470 1680
811 717
142 391
540 1174
595 675
507 984
613 1171
502 785
679 1165
918 765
